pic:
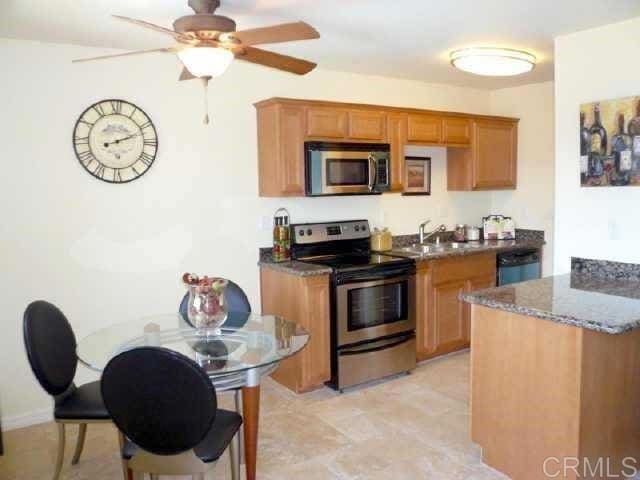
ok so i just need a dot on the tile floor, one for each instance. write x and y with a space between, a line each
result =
406 428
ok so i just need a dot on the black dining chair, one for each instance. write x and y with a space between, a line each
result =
51 349
161 401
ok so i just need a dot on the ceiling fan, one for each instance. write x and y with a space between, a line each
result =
208 43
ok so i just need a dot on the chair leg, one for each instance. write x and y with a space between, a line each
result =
82 432
238 399
154 476
234 456
60 457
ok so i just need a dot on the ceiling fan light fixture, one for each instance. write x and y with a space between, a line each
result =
206 61
490 61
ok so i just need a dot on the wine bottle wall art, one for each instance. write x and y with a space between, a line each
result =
610 143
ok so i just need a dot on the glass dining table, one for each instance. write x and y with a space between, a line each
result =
235 356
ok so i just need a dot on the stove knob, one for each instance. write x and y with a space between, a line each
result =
301 233
363 228
357 228
309 232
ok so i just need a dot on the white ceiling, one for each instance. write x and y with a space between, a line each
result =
399 38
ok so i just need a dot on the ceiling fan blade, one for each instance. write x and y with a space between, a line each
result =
186 75
126 54
286 32
275 60
183 37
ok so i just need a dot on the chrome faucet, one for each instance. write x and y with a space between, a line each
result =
421 230
424 237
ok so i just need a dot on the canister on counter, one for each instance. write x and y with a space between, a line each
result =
281 251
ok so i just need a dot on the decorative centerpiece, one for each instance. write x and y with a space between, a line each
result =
206 307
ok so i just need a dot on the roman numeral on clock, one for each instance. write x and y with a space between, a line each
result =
81 140
151 142
99 109
116 106
99 171
146 159
86 157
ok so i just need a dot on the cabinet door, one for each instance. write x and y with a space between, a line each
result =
326 122
397 138
424 329
316 356
424 128
291 168
495 154
477 283
450 316
364 125
456 131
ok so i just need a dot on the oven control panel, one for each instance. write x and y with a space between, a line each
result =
305 233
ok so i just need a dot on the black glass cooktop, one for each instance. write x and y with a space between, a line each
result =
350 261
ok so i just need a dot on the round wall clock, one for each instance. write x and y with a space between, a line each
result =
115 141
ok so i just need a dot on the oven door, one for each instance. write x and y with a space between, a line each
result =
370 309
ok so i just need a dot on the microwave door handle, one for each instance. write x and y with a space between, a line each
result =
373 172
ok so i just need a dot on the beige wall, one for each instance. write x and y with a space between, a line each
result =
602 223
108 253
532 203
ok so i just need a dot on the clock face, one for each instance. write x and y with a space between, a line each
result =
115 141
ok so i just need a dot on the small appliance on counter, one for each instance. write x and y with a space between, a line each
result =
498 227
471 234
459 234
347 168
381 240
281 251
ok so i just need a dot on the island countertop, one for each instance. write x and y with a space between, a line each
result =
608 305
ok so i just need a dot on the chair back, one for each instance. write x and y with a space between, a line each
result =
161 400
50 345
235 299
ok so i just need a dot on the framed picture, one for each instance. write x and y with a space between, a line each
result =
417 176
610 143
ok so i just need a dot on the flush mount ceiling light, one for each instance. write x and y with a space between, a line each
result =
498 62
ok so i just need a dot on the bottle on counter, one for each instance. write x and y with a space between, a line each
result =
634 131
281 236
585 142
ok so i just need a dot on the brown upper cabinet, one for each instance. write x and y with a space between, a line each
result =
456 131
490 163
326 122
482 150
426 129
367 125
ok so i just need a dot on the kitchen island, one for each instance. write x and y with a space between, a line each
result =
555 373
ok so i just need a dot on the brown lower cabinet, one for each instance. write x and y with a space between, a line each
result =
442 324
304 300
443 321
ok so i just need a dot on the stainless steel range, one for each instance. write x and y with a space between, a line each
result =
373 316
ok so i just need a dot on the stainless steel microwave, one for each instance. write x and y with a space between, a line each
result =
346 168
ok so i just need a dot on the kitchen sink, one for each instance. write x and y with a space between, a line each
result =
420 250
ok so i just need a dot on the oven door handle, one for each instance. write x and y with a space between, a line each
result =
382 277
362 349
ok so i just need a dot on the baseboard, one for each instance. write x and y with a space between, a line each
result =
27 419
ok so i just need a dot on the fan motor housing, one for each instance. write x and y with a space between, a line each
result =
204 22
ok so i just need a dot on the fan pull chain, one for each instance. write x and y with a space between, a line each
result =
205 83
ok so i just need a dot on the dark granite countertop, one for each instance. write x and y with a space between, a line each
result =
594 302
305 269
483 246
